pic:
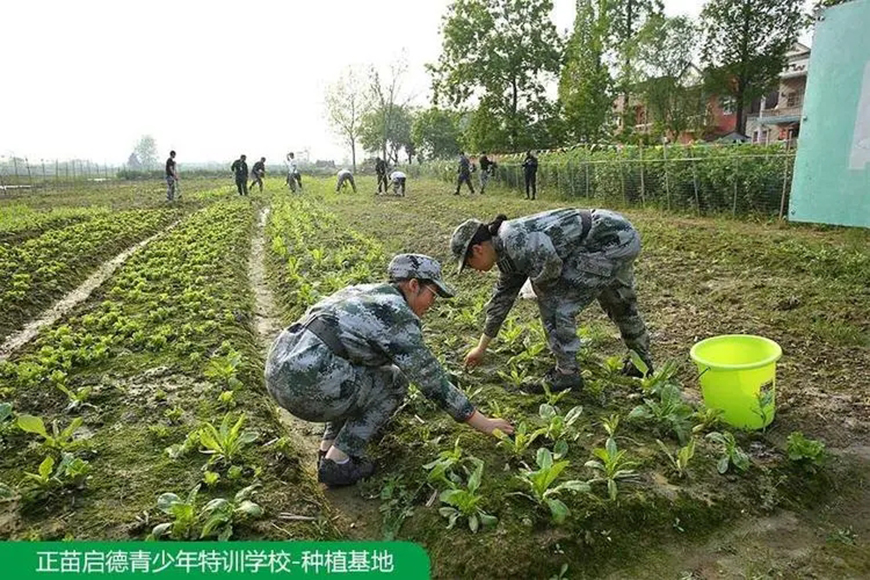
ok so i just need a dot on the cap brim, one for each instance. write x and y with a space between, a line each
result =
444 291
463 258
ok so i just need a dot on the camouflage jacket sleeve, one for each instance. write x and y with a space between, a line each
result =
404 343
503 298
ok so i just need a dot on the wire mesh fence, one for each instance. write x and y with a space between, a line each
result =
18 173
735 179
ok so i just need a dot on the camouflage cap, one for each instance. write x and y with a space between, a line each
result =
461 239
407 266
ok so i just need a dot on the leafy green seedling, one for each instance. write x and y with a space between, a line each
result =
807 452
707 419
220 514
183 513
680 457
223 369
226 442
77 398
731 452
553 398
542 484
558 426
611 465
441 470
521 439
610 424
517 377
59 439
669 413
466 502
210 478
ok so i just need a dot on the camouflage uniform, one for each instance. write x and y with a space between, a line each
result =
381 348
570 264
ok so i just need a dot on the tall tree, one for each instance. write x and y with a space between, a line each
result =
436 133
585 83
398 132
498 54
387 105
146 151
627 20
345 105
670 88
745 42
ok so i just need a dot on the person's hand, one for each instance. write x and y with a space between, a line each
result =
474 356
486 425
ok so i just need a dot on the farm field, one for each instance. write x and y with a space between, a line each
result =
153 386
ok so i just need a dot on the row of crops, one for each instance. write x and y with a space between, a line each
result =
142 414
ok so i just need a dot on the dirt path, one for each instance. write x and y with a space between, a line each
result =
80 294
358 516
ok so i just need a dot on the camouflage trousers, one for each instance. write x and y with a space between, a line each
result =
170 187
305 377
347 178
607 276
484 180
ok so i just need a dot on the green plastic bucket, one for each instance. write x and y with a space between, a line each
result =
738 376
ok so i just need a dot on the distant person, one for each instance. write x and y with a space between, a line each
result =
381 173
294 178
171 177
398 180
464 173
345 177
258 171
240 168
487 169
530 172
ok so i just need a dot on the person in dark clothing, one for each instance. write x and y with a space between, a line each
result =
171 177
240 168
381 172
530 172
258 171
464 173
487 169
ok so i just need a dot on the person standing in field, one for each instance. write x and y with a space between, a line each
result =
171 177
381 173
258 171
344 177
240 169
349 360
464 173
294 178
572 257
530 172
398 180
487 168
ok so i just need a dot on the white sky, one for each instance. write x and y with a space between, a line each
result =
88 78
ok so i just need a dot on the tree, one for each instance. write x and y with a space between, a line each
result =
436 133
744 46
387 105
672 94
627 19
146 151
345 106
497 53
585 83
390 141
133 162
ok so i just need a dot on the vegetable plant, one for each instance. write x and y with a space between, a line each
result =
611 465
59 439
223 369
732 455
542 484
669 413
557 426
679 458
521 439
220 514
441 470
183 513
224 443
465 502
804 451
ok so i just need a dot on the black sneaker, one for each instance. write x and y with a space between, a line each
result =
556 381
321 455
339 474
629 370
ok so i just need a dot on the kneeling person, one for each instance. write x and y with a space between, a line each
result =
349 360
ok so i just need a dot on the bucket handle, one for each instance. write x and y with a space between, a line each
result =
704 371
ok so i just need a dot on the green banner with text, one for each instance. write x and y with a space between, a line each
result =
26 560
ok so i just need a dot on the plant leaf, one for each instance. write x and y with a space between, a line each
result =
558 510
31 424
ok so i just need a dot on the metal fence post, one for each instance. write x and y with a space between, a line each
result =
734 201
642 187
29 174
15 165
784 180
667 180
